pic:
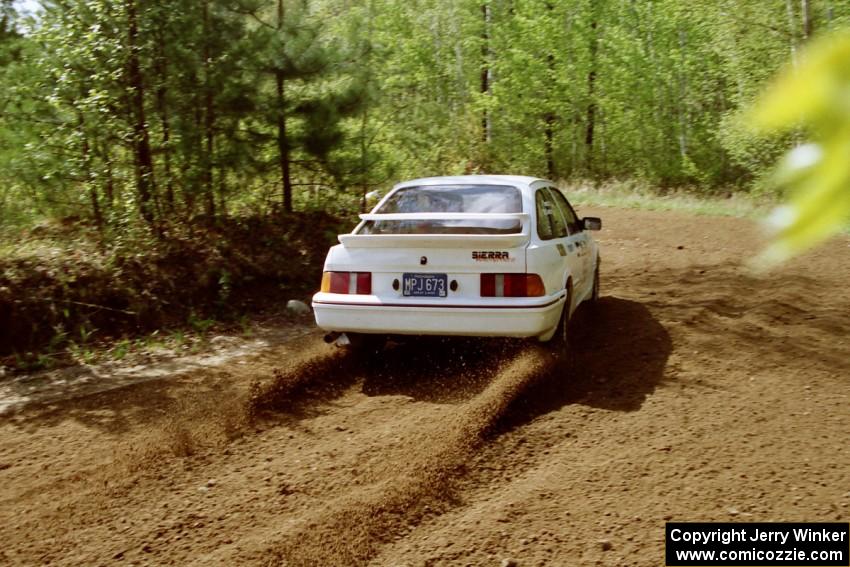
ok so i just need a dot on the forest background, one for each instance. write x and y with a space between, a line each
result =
161 160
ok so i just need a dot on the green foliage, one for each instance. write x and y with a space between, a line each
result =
86 332
199 324
121 349
135 116
814 94
167 109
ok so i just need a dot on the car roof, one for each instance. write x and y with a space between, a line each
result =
520 181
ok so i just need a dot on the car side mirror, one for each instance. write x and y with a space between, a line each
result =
592 223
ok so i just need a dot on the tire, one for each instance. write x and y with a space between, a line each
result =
594 296
560 343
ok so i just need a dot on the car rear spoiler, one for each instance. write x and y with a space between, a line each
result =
443 216
355 240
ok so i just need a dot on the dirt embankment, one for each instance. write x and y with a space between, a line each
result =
697 392
53 295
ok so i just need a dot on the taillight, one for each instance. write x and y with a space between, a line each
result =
359 283
512 285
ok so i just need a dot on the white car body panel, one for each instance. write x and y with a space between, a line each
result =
463 311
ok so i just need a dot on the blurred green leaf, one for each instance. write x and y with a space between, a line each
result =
814 92
815 95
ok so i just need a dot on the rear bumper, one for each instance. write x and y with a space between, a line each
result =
526 317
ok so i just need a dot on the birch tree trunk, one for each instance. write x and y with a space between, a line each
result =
805 10
486 74
591 90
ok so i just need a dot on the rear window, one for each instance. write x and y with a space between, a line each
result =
450 199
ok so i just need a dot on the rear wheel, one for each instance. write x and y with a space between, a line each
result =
560 342
595 294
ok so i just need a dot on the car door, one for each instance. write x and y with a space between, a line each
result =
560 254
579 237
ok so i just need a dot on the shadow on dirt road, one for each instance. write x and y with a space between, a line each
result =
619 354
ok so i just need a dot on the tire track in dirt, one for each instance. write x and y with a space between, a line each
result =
186 430
394 498
161 465
417 484
213 419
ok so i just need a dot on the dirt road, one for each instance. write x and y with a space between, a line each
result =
698 393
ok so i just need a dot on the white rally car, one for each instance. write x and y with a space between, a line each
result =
476 255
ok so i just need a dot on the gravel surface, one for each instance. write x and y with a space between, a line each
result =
696 392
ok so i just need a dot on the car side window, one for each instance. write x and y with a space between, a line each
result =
573 222
545 211
559 224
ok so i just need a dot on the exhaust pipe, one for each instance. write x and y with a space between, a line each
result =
338 339
332 337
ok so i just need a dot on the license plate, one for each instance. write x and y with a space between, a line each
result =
424 285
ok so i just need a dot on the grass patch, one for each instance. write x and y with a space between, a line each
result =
636 195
